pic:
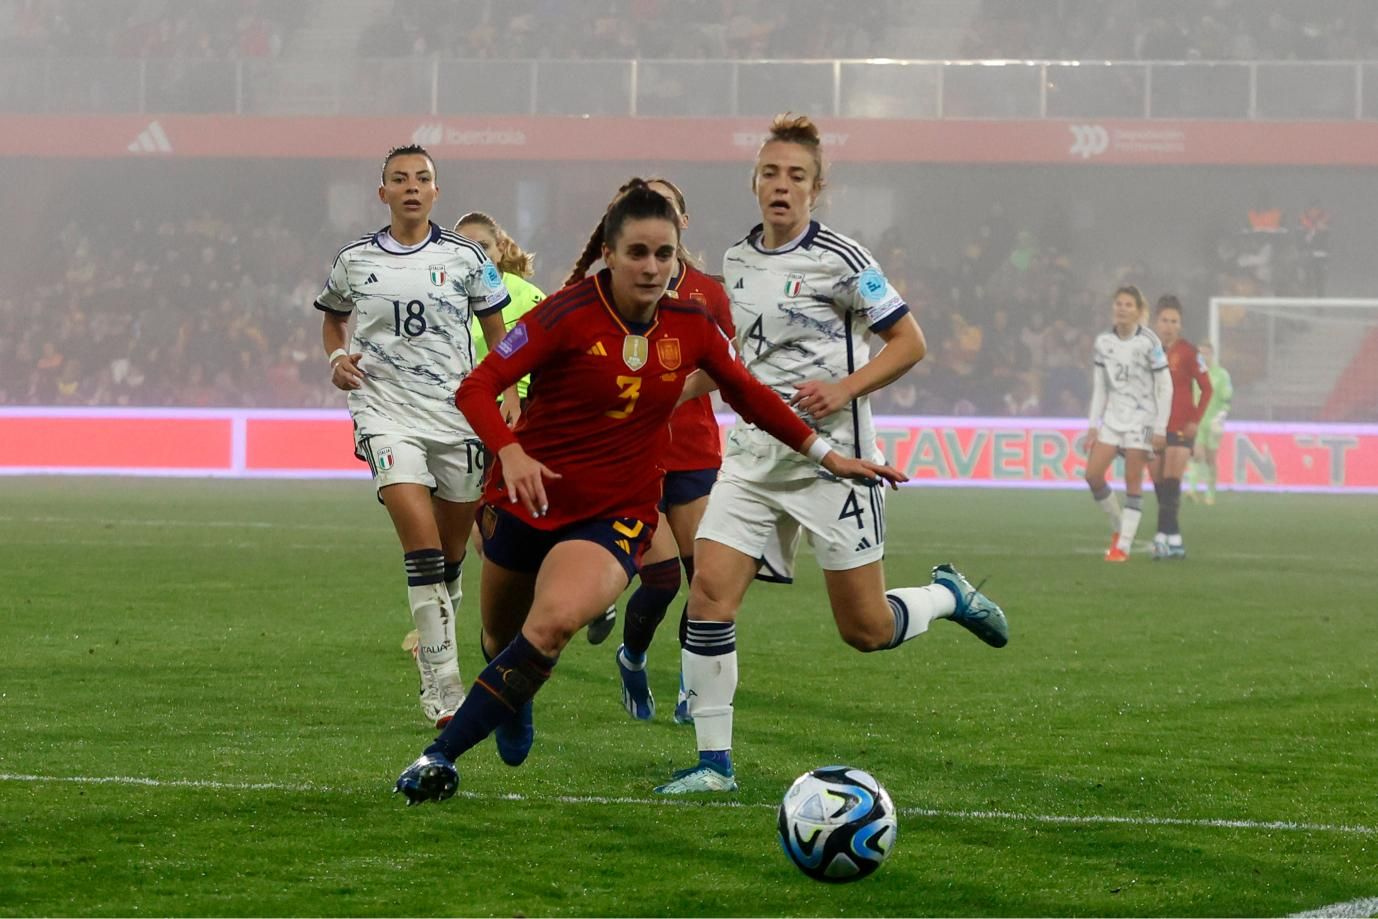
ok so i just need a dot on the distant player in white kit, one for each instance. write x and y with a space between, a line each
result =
805 301
411 289
1130 400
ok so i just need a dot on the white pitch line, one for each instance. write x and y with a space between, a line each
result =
147 522
1354 909
1006 816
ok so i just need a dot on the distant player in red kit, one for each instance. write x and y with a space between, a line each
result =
1186 365
570 506
691 462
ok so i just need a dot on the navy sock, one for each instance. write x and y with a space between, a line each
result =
646 608
505 685
1169 502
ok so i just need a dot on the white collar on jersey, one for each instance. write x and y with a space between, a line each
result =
803 239
388 243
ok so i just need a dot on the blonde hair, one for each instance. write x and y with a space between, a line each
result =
790 128
511 258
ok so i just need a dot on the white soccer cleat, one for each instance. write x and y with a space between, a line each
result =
700 779
440 698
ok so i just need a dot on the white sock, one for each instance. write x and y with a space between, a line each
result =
1175 539
1160 536
437 651
1111 505
455 589
1129 525
711 680
916 607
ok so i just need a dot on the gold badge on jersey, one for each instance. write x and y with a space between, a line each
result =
667 349
635 350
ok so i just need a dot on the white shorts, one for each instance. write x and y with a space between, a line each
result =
453 472
844 520
1133 439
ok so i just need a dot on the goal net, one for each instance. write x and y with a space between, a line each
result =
1299 359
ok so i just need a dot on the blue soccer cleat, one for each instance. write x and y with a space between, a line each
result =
431 778
975 612
636 691
1161 549
515 736
1178 551
706 777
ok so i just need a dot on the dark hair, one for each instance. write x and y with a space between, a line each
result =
639 203
1168 302
512 259
593 249
406 150
1134 292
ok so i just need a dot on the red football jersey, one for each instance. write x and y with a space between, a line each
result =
1185 364
694 439
601 397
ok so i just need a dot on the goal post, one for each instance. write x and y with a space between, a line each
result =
1312 359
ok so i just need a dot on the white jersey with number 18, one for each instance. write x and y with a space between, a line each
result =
412 311
805 312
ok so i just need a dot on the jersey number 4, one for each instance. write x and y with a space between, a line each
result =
412 324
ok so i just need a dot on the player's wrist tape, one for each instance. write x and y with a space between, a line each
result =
819 449
337 353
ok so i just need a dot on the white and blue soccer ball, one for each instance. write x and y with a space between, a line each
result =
837 824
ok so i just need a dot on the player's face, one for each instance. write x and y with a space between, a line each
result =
1168 325
668 194
409 188
641 262
1126 311
786 181
482 235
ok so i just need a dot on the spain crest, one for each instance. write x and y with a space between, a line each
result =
667 349
635 350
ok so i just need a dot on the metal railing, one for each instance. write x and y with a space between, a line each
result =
1284 90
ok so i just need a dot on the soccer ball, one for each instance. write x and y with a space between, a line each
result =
837 824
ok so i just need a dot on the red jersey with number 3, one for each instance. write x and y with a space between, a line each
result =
694 439
602 392
1186 364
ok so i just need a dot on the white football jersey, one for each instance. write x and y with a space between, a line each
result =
1129 365
805 312
411 323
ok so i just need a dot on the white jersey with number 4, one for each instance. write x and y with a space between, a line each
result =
412 312
1129 365
805 312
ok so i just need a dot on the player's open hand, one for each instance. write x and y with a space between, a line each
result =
524 479
345 373
1159 442
820 398
846 467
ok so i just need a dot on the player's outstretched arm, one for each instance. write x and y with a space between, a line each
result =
846 467
524 479
904 347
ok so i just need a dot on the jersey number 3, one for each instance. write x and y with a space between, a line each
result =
631 391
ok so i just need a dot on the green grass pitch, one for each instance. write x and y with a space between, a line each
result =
1193 738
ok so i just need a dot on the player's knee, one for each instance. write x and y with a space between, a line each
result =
866 634
710 601
549 632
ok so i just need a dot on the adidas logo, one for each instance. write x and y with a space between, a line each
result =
739 285
152 139
598 350
864 544
371 279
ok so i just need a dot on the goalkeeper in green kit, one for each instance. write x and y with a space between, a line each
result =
1212 429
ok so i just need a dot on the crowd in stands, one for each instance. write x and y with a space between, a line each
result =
711 29
178 29
207 311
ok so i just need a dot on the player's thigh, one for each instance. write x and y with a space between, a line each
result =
1103 453
577 582
1174 462
863 615
741 515
663 546
409 506
722 575
845 521
684 520
1135 461
455 520
505 599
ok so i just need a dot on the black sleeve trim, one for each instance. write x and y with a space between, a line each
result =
891 319
326 309
490 310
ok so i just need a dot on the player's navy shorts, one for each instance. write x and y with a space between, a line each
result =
516 545
686 486
1178 439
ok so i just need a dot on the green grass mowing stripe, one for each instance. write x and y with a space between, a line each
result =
710 802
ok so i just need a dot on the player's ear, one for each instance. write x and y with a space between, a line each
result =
606 255
382 194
